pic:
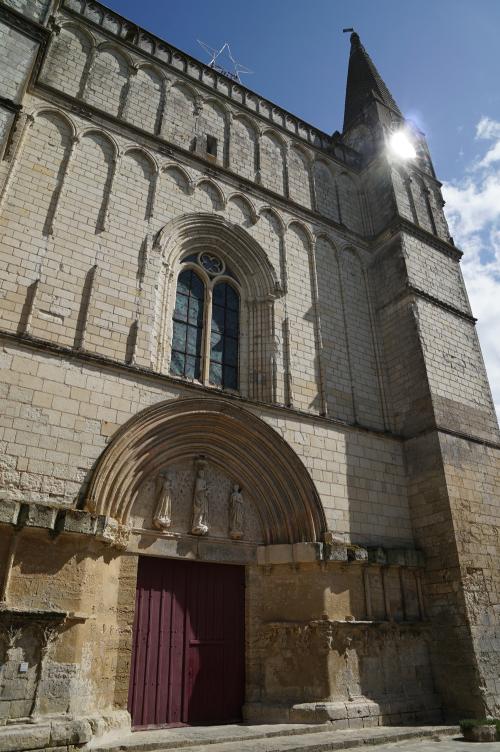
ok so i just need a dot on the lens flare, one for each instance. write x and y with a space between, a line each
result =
401 146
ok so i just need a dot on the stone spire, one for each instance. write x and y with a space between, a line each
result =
364 84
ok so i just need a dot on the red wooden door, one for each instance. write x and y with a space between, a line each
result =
188 644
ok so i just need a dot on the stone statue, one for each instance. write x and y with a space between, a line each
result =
162 517
236 513
200 501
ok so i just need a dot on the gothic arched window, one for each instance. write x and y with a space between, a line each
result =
188 325
205 336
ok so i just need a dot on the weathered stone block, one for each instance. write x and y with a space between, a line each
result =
70 732
281 553
396 556
357 553
304 552
39 515
221 552
9 511
335 552
76 521
109 530
318 712
414 558
15 738
377 555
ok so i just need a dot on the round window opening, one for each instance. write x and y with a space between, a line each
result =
211 263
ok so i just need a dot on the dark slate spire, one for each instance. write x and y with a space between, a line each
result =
364 84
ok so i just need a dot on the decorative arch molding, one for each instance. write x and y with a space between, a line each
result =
301 229
138 151
277 137
55 112
116 50
259 288
269 210
221 202
236 197
199 231
230 437
80 28
92 130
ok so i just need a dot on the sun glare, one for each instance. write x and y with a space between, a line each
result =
401 145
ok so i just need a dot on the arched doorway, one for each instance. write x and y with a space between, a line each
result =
212 481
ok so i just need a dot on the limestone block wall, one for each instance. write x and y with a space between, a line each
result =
454 484
17 55
18 51
58 415
421 298
473 477
73 626
457 379
436 273
83 270
331 627
85 64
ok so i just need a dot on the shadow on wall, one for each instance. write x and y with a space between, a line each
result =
386 656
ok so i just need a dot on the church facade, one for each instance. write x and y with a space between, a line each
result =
250 463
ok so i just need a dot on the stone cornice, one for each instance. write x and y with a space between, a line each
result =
457 435
137 32
26 26
410 290
403 225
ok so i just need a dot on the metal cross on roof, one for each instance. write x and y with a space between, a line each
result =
214 54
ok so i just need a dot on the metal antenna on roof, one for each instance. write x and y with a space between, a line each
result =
214 54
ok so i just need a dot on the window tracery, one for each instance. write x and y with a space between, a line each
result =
206 322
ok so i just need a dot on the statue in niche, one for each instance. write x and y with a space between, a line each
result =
236 513
200 501
162 517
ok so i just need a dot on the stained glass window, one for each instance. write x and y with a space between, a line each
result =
224 332
187 339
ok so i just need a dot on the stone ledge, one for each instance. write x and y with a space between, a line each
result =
348 715
45 735
59 519
333 550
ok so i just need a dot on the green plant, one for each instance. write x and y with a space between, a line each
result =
468 723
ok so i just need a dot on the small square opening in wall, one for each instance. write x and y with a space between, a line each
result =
211 146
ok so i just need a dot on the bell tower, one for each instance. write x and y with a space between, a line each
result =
438 392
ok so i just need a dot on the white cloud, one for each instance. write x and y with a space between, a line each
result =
473 210
492 155
488 128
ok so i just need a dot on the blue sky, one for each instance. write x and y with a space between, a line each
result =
441 62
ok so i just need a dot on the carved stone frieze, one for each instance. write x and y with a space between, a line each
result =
324 635
197 497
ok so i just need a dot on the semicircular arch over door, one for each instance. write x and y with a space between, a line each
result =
230 438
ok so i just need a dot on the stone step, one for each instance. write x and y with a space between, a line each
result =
266 738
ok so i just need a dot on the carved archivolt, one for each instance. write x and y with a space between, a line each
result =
227 436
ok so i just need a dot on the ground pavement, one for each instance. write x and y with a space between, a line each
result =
292 738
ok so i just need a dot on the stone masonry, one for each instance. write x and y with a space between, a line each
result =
362 432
